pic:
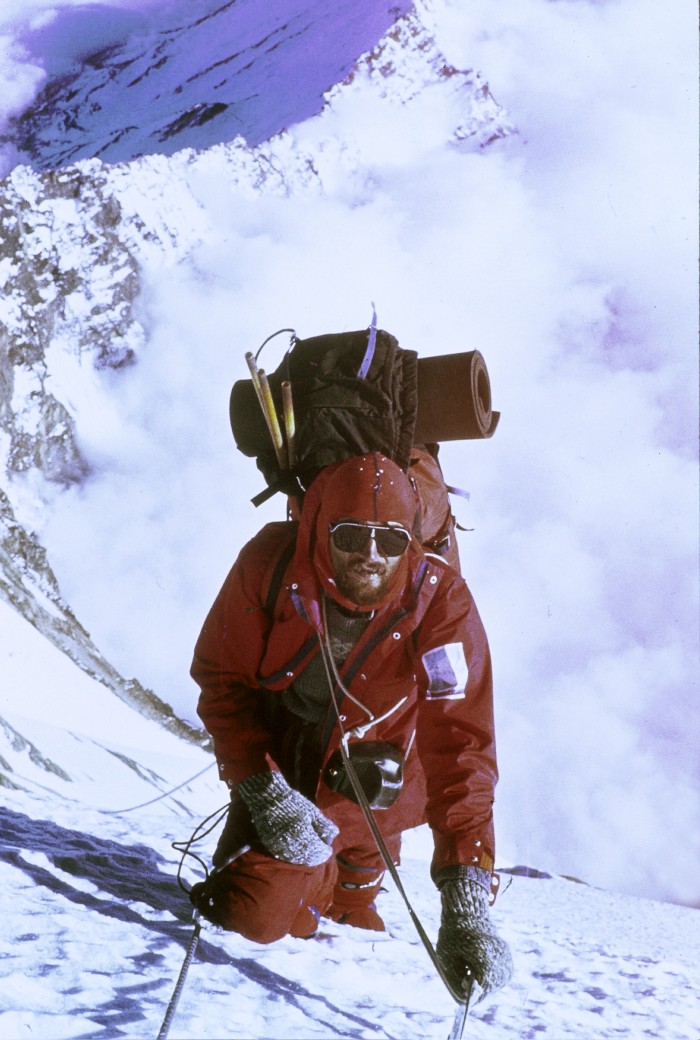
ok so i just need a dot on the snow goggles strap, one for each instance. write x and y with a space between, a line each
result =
351 536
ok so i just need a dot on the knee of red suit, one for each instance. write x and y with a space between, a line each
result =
264 899
354 895
261 928
340 890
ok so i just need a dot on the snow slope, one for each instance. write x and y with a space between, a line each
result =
64 731
96 927
95 932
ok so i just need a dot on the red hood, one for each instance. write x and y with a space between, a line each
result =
366 487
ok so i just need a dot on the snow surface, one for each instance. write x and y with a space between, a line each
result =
96 928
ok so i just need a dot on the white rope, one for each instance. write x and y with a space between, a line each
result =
160 797
329 666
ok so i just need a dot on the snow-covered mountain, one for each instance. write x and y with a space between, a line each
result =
214 72
171 200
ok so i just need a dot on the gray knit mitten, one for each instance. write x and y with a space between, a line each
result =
467 939
288 824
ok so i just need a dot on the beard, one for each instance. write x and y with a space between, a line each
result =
362 582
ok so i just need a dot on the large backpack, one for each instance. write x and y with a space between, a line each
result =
358 392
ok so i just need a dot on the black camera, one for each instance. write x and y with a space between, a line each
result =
379 770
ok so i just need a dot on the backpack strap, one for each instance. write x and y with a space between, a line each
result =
437 524
272 582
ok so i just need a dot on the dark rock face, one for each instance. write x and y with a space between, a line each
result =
200 75
69 273
56 235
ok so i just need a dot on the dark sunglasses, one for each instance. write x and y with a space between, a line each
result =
351 537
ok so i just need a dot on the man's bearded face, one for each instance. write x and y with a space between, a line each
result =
363 576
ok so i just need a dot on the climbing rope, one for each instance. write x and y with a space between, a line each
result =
185 847
334 684
172 1006
160 797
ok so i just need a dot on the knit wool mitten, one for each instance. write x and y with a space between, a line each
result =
467 940
289 826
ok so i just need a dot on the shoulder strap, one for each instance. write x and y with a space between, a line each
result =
275 572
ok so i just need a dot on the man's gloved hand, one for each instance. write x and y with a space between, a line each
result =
237 833
210 898
467 939
288 825
200 897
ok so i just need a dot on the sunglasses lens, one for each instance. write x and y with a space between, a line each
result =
391 542
351 538
347 538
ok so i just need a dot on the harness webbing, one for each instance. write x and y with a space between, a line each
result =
371 346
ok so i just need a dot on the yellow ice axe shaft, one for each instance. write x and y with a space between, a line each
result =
289 423
264 394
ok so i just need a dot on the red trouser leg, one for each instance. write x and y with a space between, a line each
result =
360 874
264 899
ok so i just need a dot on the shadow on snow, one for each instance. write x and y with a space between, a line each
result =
131 874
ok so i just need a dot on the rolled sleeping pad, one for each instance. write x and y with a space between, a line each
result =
454 399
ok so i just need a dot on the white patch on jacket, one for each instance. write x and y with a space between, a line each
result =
447 672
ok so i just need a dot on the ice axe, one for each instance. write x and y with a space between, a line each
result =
457 1031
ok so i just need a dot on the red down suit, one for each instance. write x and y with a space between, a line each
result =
421 667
